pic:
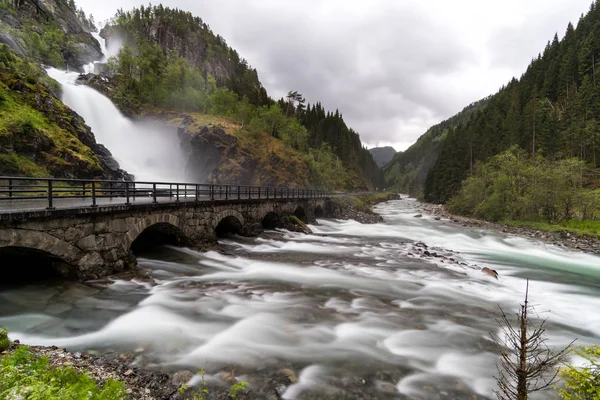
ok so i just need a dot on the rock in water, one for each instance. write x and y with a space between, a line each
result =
490 272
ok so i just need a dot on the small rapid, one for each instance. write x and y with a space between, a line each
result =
351 306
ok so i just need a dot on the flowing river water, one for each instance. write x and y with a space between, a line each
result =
351 306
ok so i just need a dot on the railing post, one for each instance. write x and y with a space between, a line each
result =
50 205
197 191
212 192
110 190
126 192
154 193
94 194
227 192
275 194
83 189
10 188
238 189
259 192
267 192
177 188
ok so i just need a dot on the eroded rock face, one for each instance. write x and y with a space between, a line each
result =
86 48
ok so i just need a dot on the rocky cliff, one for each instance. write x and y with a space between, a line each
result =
50 32
216 151
39 135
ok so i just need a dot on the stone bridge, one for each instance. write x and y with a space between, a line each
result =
92 242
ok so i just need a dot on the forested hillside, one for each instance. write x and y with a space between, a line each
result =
407 171
172 61
552 110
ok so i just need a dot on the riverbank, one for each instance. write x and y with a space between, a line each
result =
562 238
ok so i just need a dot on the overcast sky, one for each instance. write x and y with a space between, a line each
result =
392 68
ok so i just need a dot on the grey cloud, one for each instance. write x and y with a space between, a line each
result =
393 68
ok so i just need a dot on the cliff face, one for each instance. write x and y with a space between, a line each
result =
216 151
49 31
39 135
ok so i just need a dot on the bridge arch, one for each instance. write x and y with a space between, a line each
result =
300 213
271 221
34 255
166 223
216 220
228 225
318 211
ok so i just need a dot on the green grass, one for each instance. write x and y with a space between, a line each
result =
25 130
26 376
579 227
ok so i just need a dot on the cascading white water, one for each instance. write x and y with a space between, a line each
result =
147 152
110 50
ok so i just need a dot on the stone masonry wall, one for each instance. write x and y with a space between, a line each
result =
97 244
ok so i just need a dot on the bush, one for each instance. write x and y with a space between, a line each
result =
29 377
583 383
4 340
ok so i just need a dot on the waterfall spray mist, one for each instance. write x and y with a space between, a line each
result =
148 152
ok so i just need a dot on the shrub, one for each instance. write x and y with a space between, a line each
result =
26 376
4 340
583 383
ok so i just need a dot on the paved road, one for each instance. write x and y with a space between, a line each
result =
19 205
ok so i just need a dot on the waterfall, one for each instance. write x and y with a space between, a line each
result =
144 150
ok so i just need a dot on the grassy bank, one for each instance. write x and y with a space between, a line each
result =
578 227
28 376
361 202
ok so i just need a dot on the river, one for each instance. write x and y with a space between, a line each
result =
352 306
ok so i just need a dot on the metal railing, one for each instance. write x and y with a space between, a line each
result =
48 192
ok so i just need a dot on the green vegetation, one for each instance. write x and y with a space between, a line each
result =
4 340
407 171
26 376
37 137
202 391
515 185
583 383
361 202
578 227
215 81
41 37
552 110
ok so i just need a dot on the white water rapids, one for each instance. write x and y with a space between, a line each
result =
350 300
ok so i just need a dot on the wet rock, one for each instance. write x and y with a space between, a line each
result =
181 378
418 216
490 272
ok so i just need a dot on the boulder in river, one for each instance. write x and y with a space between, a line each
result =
490 272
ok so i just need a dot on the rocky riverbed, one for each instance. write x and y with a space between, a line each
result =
562 239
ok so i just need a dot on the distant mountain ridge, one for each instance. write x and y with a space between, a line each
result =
408 170
382 155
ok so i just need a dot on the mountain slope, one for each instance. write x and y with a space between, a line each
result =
408 170
382 155
39 135
173 62
552 110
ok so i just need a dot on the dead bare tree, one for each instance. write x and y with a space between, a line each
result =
527 364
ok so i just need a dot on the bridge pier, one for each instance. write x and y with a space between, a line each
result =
90 243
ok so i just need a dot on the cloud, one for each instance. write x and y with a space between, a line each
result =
392 68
